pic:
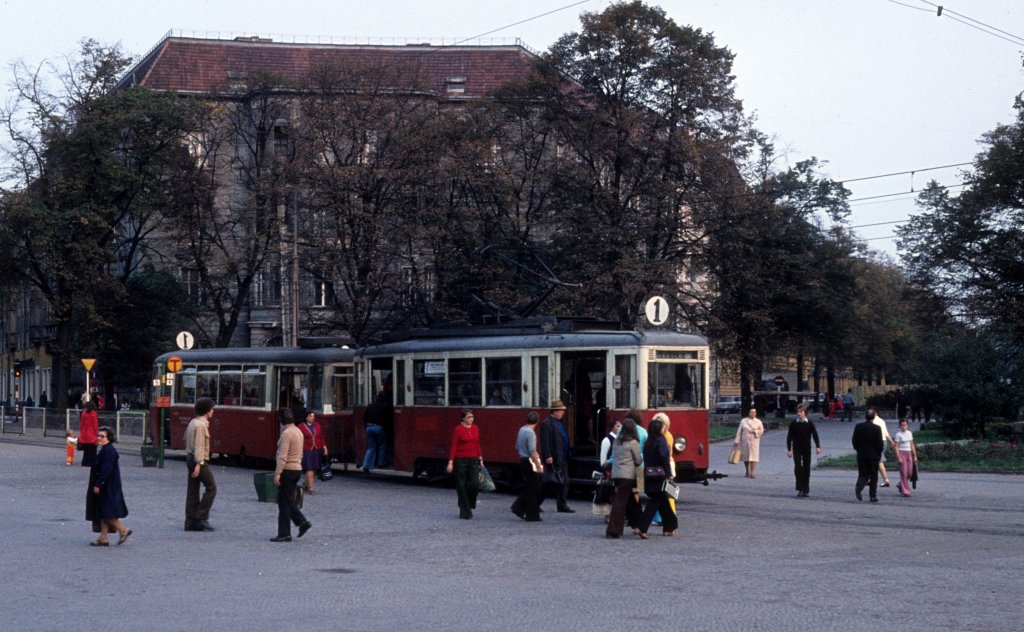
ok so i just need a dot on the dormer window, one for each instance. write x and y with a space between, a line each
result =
455 85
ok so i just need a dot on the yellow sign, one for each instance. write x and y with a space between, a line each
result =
174 364
88 363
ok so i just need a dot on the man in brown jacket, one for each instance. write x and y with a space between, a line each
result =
286 477
197 460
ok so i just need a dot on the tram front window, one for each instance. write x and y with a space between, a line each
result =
675 385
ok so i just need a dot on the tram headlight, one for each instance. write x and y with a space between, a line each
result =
680 444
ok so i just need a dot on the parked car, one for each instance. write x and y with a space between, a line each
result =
728 404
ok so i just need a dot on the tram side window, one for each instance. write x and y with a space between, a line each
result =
675 384
464 382
428 382
185 386
315 386
541 380
254 386
342 388
624 381
504 381
229 393
206 382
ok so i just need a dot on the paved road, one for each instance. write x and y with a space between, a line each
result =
388 556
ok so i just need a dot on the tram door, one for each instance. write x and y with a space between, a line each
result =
583 391
293 390
382 382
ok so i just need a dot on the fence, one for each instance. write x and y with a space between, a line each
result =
129 425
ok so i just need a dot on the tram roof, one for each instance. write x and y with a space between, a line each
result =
570 340
261 355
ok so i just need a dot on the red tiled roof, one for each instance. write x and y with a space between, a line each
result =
201 65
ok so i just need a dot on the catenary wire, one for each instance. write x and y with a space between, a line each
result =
946 10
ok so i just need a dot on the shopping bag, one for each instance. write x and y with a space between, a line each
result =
326 473
734 456
486 483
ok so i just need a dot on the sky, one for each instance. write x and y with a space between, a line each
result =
869 87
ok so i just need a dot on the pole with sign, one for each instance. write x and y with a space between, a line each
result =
88 363
163 401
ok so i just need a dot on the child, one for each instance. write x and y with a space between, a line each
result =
70 460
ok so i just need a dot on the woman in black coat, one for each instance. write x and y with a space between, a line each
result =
657 454
104 498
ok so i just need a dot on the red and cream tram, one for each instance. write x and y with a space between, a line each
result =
249 385
505 371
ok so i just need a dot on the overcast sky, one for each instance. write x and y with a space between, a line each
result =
870 86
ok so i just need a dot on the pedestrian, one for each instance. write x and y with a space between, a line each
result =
527 504
88 426
607 452
627 460
197 462
314 449
867 441
465 459
748 440
554 451
848 402
69 450
888 439
290 455
798 448
906 452
657 469
902 403
104 496
670 440
377 417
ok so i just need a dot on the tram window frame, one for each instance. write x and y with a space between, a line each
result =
399 383
540 380
342 387
206 386
185 386
656 391
428 388
465 381
254 380
505 375
229 384
315 387
626 394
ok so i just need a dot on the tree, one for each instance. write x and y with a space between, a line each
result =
968 248
87 162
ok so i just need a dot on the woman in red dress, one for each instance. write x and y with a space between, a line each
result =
88 427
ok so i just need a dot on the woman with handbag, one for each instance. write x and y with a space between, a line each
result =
314 449
465 460
657 469
104 497
748 440
626 460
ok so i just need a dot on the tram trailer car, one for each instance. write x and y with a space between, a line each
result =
248 386
503 373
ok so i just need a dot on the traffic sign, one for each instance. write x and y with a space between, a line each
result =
185 340
173 364
163 401
88 363
656 310
169 379
779 380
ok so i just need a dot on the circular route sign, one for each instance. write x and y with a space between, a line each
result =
656 310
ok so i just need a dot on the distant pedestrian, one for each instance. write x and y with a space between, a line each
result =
314 449
867 441
906 451
197 462
88 426
748 440
798 448
69 450
465 459
627 461
286 478
848 402
527 504
902 403
104 497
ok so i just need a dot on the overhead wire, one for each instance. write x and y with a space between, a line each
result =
943 11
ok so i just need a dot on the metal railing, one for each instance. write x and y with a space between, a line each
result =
129 425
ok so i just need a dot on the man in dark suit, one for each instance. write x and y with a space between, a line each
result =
867 441
554 452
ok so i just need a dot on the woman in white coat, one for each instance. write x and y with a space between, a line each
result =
748 440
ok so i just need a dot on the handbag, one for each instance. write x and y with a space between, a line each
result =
734 456
654 471
913 477
326 473
670 488
485 482
603 493
552 477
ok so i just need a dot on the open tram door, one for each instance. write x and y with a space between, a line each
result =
292 384
582 375
381 383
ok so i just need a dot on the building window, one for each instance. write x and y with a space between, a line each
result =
191 279
323 293
455 85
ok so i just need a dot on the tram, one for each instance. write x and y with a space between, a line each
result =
248 386
505 371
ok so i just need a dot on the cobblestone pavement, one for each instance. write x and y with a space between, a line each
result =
387 555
